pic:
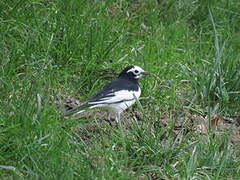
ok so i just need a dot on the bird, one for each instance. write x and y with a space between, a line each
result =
117 95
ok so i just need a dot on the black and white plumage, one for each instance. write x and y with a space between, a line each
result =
117 95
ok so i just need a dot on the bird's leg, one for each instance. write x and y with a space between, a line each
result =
118 117
122 134
119 122
109 118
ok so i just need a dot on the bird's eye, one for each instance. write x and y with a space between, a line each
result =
136 71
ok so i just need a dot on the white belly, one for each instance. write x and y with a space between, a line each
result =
129 100
119 102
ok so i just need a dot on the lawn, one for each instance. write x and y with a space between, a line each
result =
57 53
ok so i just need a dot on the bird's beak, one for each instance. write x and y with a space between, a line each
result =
145 73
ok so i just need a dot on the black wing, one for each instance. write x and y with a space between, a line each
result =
115 85
108 91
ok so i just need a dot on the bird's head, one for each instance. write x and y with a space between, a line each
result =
133 72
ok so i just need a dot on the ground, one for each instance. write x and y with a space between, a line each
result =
56 54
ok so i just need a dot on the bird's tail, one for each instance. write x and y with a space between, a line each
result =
76 110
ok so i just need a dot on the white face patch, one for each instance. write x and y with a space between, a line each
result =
137 71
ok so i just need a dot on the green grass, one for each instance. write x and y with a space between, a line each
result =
52 48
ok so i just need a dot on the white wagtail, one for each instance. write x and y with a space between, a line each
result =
117 95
